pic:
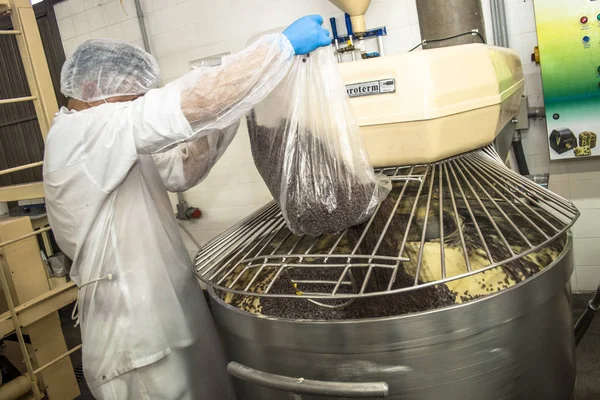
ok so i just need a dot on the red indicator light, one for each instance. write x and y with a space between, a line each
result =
584 20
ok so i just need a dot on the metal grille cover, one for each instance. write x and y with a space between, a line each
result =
470 205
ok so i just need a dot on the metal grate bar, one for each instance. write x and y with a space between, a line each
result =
466 168
567 213
475 191
254 230
346 270
456 219
282 267
385 229
425 220
529 184
272 225
441 220
408 226
475 224
262 267
481 173
485 210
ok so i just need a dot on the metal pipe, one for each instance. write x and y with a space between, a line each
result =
350 35
519 153
140 16
21 167
503 24
495 21
500 27
187 232
17 100
380 45
584 322
459 16
15 320
299 386
30 234
15 389
336 40
10 32
57 359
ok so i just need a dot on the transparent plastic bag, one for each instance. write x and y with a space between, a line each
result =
308 149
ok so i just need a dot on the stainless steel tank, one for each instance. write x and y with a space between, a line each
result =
517 344
440 19
469 226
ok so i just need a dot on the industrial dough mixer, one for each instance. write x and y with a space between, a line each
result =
456 288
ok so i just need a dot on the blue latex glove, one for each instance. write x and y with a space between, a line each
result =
307 34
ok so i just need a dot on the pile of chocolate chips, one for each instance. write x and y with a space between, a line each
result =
317 193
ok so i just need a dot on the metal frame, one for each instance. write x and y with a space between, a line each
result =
40 85
486 192
20 318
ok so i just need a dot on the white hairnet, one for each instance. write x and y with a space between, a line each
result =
102 68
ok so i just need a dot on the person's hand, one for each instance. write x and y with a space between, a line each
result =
307 34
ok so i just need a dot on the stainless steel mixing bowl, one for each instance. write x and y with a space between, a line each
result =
516 344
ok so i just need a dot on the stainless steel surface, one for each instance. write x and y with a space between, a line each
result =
499 23
523 117
489 196
595 301
307 386
585 320
517 344
503 142
380 46
337 50
443 18
540 179
536 113
142 24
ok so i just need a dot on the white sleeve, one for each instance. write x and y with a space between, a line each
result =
188 163
210 99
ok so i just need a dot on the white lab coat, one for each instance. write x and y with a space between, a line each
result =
105 174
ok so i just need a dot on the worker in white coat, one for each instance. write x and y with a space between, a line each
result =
110 158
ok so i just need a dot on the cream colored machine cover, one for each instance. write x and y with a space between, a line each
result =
447 101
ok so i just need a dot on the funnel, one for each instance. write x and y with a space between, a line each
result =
356 9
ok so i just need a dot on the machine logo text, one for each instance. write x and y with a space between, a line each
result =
371 88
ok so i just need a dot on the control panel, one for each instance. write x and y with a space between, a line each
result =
569 45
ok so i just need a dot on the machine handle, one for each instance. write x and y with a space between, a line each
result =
307 386
349 25
334 31
584 322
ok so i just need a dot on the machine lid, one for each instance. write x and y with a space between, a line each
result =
443 223
435 83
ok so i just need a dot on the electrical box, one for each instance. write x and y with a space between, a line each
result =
569 45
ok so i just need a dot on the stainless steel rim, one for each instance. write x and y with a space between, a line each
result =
514 302
476 182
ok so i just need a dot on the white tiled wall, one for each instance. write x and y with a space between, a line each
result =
184 30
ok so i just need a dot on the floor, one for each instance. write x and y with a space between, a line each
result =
588 353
